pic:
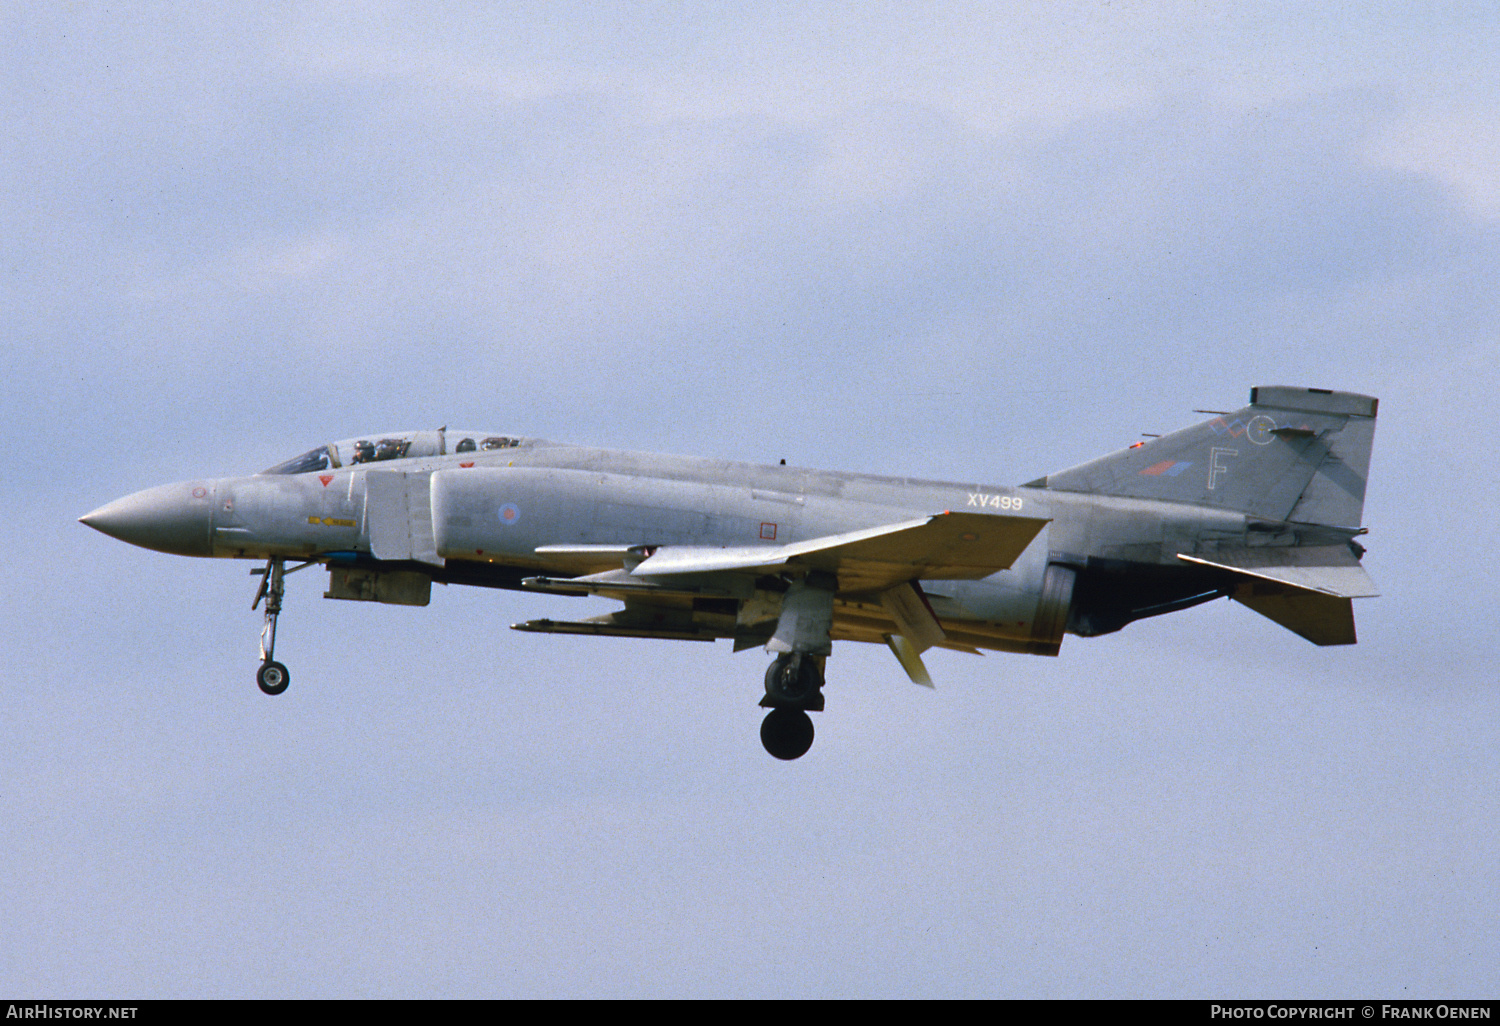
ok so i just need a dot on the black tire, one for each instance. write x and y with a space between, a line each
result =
784 687
272 678
787 733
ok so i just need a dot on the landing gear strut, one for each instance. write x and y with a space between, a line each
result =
794 685
272 677
794 682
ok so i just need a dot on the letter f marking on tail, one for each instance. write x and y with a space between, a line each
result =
1216 467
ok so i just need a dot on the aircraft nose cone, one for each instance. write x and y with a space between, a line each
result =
175 518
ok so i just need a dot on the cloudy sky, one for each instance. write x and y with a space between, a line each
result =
978 242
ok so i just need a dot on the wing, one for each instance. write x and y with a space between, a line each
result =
681 591
945 546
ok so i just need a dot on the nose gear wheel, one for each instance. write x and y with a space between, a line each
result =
272 677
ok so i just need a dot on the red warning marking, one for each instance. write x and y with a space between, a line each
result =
469 464
768 532
325 478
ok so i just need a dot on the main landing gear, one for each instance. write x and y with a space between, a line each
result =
272 677
794 685
794 682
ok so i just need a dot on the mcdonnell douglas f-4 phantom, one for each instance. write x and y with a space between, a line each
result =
1262 505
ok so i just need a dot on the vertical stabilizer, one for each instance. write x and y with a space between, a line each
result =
1298 454
1336 493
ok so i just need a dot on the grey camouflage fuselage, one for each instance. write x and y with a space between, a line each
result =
1261 505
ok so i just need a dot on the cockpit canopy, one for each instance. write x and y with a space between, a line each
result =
392 446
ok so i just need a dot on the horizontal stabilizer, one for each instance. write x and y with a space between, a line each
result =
1306 589
1325 569
946 546
1321 619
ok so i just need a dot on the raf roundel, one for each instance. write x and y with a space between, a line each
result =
510 513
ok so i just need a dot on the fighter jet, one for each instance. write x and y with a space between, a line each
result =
1261 505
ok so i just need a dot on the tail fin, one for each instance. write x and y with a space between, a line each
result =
1293 454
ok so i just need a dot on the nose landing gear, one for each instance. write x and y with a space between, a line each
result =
272 677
